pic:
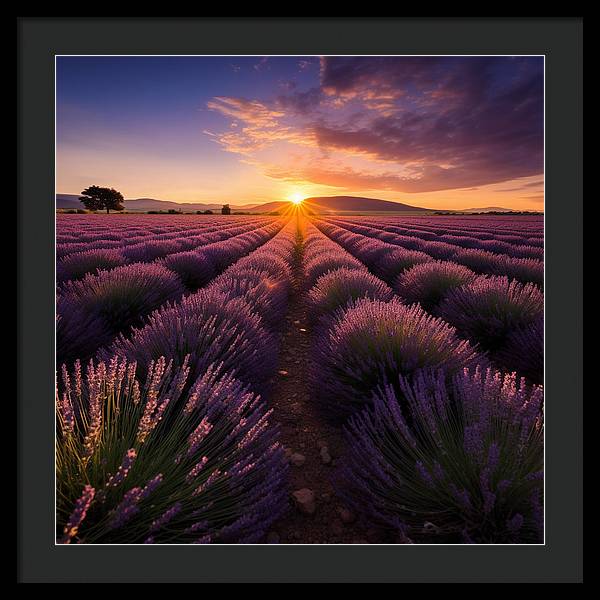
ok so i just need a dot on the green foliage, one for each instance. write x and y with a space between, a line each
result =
100 198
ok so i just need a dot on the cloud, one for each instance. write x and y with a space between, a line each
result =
536 198
523 187
250 111
262 64
416 124
301 103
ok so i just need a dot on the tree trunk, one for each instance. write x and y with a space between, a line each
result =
108 211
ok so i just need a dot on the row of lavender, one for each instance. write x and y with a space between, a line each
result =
442 448
497 304
93 310
488 256
165 438
132 229
524 231
127 245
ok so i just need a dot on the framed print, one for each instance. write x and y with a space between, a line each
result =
296 302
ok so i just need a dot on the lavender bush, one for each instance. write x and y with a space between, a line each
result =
192 267
480 261
372 342
79 264
331 259
524 351
428 282
465 464
490 308
274 265
149 464
212 328
93 310
391 264
266 295
150 250
526 270
336 288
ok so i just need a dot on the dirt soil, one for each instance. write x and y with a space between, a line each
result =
304 434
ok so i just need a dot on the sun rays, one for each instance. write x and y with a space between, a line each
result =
296 198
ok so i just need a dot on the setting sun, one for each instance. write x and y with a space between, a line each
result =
296 198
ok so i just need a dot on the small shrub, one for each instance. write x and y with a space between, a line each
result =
148 464
326 262
79 264
429 282
393 263
465 464
274 265
265 294
192 267
524 269
210 327
524 351
491 308
93 310
336 288
480 261
373 342
151 250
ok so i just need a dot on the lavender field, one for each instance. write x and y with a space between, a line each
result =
299 379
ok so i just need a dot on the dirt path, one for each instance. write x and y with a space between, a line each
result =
312 444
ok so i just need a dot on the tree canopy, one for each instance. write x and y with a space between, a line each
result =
102 198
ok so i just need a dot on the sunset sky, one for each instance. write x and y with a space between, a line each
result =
437 132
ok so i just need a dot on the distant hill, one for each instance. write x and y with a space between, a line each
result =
146 204
68 201
317 205
360 204
345 204
320 205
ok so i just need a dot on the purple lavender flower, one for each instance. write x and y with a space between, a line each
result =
491 308
166 517
93 310
236 466
372 342
428 283
524 351
210 327
324 262
79 264
454 465
192 268
515 523
335 289
123 470
79 513
393 263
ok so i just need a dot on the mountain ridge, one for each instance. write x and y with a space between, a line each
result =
314 204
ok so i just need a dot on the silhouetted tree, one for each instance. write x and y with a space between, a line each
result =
226 210
99 198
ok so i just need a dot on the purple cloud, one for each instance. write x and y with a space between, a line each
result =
418 124
456 122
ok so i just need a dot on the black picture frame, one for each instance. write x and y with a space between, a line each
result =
559 560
